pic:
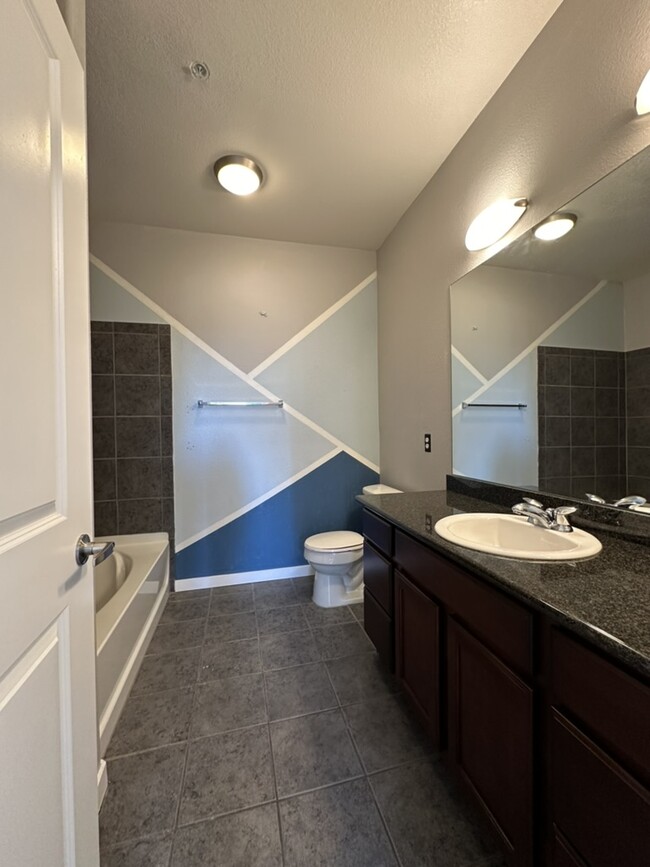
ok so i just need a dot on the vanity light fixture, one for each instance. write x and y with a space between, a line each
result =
555 226
238 174
642 101
494 222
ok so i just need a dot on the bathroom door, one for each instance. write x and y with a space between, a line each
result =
48 740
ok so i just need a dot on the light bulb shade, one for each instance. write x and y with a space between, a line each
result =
240 175
494 222
555 227
642 101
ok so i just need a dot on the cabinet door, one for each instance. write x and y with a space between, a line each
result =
417 652
602 811
491 739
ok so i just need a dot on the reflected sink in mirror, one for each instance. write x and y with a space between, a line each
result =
512 536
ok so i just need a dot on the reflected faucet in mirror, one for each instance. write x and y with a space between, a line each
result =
552 340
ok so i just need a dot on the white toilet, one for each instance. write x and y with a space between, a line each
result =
337 561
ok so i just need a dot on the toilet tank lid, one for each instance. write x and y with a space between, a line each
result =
380 489
337 540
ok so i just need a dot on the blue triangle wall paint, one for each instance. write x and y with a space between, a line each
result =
271 535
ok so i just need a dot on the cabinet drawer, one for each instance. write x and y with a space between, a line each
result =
378 578
379 629
612 706
379 532
503 625
595 805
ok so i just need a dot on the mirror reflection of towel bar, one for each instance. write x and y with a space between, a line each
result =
276 403
507 405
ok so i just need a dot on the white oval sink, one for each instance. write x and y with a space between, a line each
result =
513 536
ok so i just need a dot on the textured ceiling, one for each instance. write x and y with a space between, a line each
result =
349 105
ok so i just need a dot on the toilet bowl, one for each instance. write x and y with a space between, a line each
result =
337 560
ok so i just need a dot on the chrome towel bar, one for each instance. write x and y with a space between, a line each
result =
508 405
277 403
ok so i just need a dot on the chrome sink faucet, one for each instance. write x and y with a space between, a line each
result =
549 519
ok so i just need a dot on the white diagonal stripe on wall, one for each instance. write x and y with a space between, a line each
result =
532 346
468 365
307 330
185 543
247 378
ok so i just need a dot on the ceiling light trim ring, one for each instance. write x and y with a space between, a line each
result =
238 160
560 216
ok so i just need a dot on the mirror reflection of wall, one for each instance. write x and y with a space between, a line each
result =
554 337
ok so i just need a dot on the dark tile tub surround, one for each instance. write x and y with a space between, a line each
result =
582 427
605 599
638 420
132 429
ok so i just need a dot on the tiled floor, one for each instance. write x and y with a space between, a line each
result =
263 731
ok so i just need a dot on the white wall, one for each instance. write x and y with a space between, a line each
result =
561 120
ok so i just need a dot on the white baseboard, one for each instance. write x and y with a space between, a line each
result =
102 783
235 578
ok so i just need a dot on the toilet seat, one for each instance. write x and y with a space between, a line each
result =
337 540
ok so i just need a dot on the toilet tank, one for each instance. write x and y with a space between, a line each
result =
380 489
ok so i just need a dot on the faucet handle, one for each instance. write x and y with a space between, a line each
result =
560 517
533 502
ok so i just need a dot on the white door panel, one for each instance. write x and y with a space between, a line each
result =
48 737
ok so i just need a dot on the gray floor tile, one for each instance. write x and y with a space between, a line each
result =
312 751
429 823
304 588
318 616
230 590
152 720
177 636
232 603
344 640
167 671
357 611
273 594
227 772
335 827
287 649
231 627
385 733
290 618
230 659
191 609
231 703
295 691
360 677
142 794
247 839
186 595
141 853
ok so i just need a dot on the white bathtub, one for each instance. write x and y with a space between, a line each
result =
131 589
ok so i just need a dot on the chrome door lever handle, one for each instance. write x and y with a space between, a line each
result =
86 549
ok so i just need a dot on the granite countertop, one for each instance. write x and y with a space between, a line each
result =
605 599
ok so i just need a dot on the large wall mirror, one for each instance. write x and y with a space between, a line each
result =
551 351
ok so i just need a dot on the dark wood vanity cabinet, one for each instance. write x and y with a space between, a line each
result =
417 652
598 741
548 736
378 596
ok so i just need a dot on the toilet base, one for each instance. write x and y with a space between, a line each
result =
330 591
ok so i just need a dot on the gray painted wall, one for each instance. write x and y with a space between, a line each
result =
561 120
217 285
637 312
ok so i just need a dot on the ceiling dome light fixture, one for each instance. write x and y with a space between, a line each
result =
238 174
555 226
642 101
494 222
